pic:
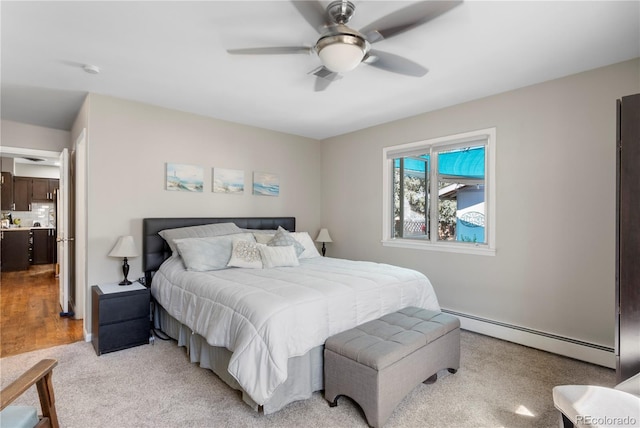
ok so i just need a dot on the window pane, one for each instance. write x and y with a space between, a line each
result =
461 195
410 190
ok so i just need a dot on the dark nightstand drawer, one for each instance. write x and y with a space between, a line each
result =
114 309
123 335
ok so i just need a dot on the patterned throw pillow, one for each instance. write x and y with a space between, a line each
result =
283 238
245 254
278 256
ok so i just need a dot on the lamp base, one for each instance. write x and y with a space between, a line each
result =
125 272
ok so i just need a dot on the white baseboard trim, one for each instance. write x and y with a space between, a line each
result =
583 351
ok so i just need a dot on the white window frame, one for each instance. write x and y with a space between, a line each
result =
433 244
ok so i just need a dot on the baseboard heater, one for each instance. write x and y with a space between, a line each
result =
573 348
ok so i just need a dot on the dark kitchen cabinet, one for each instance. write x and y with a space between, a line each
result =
15 250
7 191
44 246
22 188
628 239
43 189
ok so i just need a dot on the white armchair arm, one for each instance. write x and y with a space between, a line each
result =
596 406
631 385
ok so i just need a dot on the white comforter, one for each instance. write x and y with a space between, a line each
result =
266 316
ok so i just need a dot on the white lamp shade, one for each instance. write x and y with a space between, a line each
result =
125 247
323 236
341 57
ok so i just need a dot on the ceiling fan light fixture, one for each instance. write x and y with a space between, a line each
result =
342 52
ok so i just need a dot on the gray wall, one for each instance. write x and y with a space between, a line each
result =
128 146
554 268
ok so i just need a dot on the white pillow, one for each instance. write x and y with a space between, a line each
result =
245 254
263 238
211 253
202 231
310 250
278 256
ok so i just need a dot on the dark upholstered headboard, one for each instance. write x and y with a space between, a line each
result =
155 249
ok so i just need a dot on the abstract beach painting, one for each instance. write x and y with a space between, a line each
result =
266 183
186 178
228 181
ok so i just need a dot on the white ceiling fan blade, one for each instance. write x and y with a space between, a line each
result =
277 50
314 13
407 18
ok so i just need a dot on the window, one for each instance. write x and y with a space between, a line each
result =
439 194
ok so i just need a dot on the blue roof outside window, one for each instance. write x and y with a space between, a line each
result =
467 163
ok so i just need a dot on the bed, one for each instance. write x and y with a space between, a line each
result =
262 329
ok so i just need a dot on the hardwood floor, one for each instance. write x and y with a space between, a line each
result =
30 312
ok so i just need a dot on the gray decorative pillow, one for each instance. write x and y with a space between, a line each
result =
203 231
278 256
211 253
310 250
245 254
283 238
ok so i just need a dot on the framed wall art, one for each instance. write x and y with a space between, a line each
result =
185 178
266 184
228 181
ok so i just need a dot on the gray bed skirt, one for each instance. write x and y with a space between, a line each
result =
305 373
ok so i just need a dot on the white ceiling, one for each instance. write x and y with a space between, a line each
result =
173 54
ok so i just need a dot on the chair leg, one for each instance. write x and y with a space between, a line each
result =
47 399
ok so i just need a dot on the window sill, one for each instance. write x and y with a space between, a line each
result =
481 250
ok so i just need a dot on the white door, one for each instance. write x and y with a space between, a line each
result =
62 228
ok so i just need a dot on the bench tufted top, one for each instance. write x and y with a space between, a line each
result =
382 342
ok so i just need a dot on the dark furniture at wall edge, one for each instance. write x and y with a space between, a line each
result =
119 317
627 335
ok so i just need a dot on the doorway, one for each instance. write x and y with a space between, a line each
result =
30 298
30 312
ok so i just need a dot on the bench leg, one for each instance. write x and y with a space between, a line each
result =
431 380
334 403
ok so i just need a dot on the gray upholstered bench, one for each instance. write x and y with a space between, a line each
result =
378 363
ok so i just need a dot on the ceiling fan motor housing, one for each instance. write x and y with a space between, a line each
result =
340 11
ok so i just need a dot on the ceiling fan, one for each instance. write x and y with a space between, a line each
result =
342 48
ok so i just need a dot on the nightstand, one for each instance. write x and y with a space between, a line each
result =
120 316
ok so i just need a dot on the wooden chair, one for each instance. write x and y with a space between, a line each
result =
40 375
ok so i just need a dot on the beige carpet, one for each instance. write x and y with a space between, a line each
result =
499 384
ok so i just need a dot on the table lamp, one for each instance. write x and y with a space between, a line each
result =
125 247
323 237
